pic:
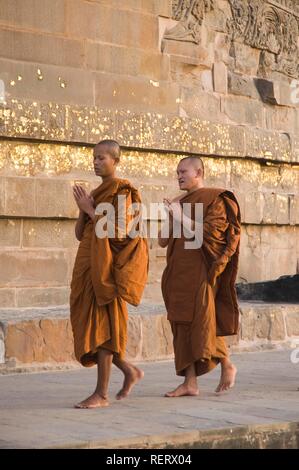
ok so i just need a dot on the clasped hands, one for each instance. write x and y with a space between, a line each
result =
173 207
84 201
218 266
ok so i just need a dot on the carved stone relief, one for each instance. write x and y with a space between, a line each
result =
189 14
273 27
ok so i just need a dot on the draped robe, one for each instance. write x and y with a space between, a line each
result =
108 272
198 285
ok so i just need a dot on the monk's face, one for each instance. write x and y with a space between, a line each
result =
188 175
104 164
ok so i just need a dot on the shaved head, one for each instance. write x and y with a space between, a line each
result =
190 173
112 147
106 156
196 161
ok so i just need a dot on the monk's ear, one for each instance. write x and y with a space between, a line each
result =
199 173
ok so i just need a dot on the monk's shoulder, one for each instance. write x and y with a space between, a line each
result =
211 194
219 193
125 184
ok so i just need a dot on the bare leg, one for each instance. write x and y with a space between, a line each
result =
132 376
228 375
100 396
188 387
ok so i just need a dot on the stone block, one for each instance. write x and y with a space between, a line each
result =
220 77
246 58
292 322
41 340
270 324
8 297
48 233
33 14
41 48
134 344
135 94
41 296
127 61
243 85
243 110
10 232
20 268
20 197
58 84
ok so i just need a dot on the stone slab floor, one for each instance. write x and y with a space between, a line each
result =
36 409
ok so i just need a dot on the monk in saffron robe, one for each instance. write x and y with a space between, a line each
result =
108 272
198 284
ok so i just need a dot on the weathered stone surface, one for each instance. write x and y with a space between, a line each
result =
135 93
134 345
244 85
130 28
2 346
200 105
40 296
58 84
10 231
8 297
114 59
48 233
45 336
246 59
220 77
292 322
20 196
274 92
154 7
243 110
41 48
33 268
156 336
187 53
34 14
40 341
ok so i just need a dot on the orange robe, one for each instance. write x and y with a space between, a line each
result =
198 285
108 272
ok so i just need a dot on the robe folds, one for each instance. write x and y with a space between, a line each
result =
198 285
108 272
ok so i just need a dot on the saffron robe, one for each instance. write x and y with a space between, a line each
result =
108 272
198 285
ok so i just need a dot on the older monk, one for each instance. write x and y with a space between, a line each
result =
198 282
110 269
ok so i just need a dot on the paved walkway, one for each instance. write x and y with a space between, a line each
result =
36 409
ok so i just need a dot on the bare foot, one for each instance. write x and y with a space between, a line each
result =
183 390
131 378
94 401
227 379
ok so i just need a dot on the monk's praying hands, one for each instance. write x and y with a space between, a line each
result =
84 201
173 207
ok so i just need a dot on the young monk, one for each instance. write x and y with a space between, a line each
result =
108 272
198 284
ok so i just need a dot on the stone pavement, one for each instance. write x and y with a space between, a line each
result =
37 409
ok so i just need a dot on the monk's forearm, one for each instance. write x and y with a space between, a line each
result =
91 213
163 241
80 224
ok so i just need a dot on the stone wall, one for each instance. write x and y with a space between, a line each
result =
165 79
